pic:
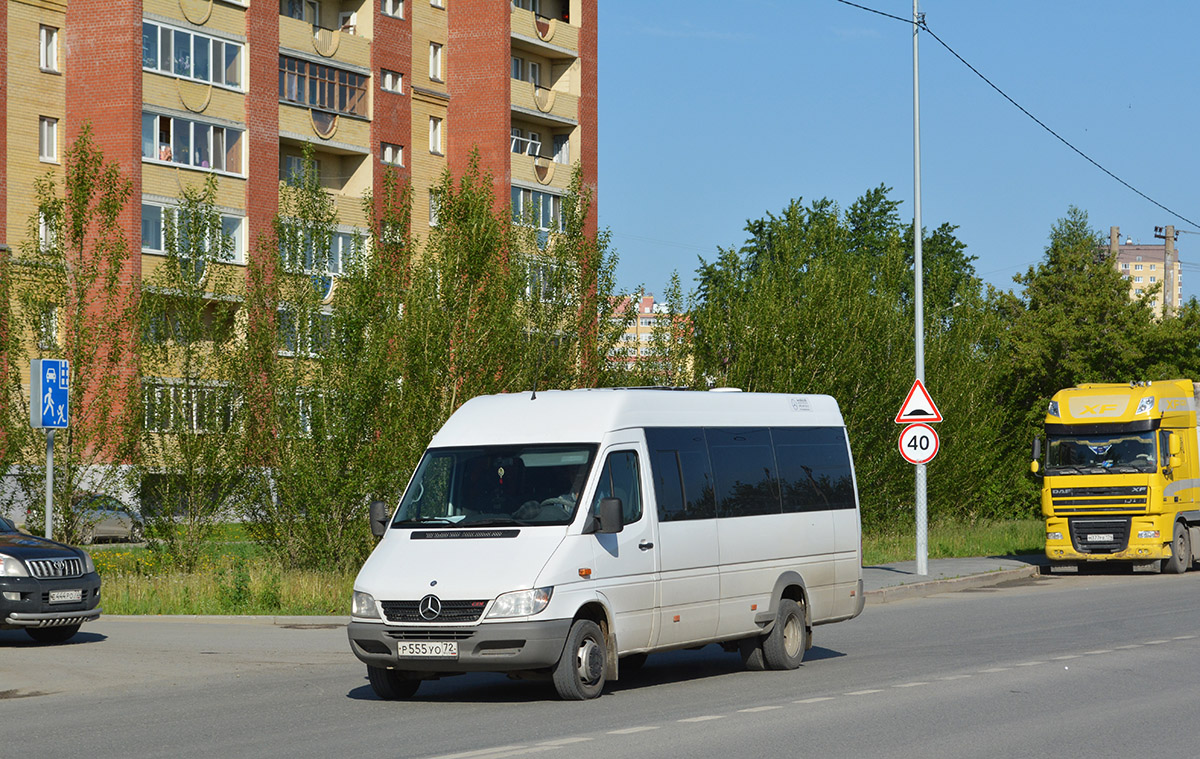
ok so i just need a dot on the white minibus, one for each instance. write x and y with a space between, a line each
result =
567 534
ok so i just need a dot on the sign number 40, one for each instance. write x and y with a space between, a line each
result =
919 443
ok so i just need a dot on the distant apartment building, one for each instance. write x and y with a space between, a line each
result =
636 341
1148 265
181 90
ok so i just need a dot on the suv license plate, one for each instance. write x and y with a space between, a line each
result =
428 649
66 596
1104 538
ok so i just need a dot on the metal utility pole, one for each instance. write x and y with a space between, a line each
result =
919 296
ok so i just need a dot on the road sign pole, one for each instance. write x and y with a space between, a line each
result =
50 482
918 299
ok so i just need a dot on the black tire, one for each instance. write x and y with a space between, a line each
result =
579 673
52 634
784 647
391 685
1181 552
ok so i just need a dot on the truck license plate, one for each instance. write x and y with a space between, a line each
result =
66 596
428 649
1102 538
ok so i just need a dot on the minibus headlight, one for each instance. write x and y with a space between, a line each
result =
10 566
364 606
520 603
1054 536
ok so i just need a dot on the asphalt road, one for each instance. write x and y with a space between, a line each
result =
1088 666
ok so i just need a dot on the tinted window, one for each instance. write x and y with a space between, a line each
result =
814 467
683 482
619 479
744 466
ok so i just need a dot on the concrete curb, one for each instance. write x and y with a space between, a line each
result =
949 585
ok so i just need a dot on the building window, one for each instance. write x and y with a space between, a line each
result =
303 10
541 209
1153 280
188 55
435 201
1137 267
1153 267
562 148
1125 266
535 74
393 81
392 154
155 217
324 87
435 61
393 8
48 48
47 138
435 135
210 147
1137 279
438 3
517 67
535 143
293 169
529 5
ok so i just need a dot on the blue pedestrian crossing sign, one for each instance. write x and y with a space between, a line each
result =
49 393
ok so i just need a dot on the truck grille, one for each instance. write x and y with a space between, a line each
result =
55 568
1091 500
451 611
1099 535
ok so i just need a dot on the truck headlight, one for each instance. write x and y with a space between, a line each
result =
11 566
1148 534
1146 404
1053 409
1054 536
520 603
364 606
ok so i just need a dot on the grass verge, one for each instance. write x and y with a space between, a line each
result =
236 578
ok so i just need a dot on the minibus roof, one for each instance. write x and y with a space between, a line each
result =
585 416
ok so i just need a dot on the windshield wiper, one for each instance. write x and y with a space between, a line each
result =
493 522
420 522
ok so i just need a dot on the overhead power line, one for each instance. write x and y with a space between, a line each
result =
923 25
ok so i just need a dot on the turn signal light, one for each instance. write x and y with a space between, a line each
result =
585 572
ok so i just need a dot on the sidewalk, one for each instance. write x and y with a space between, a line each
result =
893 582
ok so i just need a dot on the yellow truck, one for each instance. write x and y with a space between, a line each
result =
1121 473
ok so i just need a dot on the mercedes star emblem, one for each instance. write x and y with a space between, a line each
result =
430 608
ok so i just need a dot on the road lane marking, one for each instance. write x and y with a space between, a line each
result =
1068 656
759 709
632 730
1098 652
909 685
814 700
490 753
955 677
863 692
565 741
1030 663
1155 642
1126 648
1183 637
994 669
705 718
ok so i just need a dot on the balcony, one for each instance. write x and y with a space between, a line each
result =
542 105
552 37
338 45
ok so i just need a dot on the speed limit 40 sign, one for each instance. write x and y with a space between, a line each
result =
918 443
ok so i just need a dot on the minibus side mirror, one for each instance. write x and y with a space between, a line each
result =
379 518
609 518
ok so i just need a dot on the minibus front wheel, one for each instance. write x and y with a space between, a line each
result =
391 685
579 673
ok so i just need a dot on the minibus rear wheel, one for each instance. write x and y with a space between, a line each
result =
390 685
579 674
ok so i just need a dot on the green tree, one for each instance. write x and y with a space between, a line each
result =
188 469
72 288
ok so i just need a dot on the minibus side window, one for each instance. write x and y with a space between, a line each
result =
814 468
744 468
619 479
682 450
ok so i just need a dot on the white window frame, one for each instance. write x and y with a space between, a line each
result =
393 8
435 62
48 139
434 203
391 81
48 48
518 68
438 3
533 145
562 148
391 154
293 168
237 252
534 70
435 135
217 69
164 152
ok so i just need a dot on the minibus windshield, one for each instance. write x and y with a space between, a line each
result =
1101 454
496 485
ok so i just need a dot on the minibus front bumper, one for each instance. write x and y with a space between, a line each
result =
490 647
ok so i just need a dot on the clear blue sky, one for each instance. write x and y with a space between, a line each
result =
712 113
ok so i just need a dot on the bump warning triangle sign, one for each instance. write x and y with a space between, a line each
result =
918 406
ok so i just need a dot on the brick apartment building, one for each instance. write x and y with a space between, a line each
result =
180 90
1148 265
